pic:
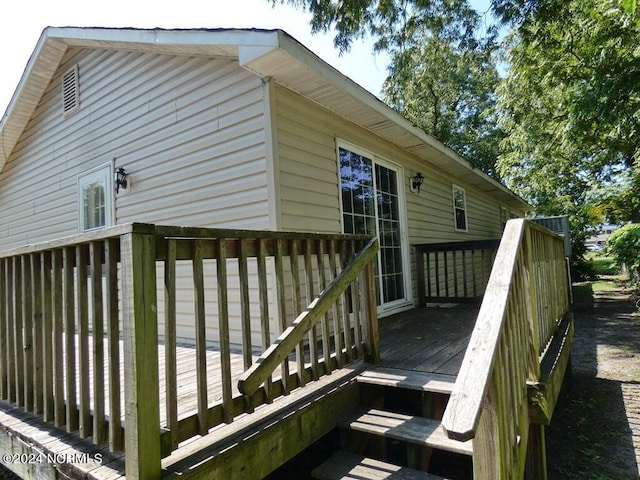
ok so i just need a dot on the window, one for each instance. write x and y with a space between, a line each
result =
506 215
95 198
460 208
70 94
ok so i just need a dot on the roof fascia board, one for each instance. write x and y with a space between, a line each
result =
79 36
14 122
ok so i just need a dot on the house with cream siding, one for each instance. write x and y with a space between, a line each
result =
229 129
199 230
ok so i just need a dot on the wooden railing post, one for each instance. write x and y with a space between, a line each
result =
420 278
372 355
140 326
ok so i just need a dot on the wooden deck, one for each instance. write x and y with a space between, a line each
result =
428 339
425 339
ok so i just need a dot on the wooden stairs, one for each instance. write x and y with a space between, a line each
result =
396 434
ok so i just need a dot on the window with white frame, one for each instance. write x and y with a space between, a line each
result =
95 198
459 208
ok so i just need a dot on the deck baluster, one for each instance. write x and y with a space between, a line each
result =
223 325
69 326
82 261
171 387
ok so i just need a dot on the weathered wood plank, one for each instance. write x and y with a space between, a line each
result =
325 321
282 309
97 303
82 314
27 311
256 456
68 293
263 288
310 295
170 357
57 333
336 310
47 328
245 305
371 312
223 324
409 379
279 350
36 305
297 304
4 351
141 384
116 441
405 428
201 333
543 394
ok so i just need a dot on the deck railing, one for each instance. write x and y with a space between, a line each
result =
455 272
75 313
525 300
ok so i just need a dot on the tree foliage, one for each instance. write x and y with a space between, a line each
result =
624 245
443 78
571 107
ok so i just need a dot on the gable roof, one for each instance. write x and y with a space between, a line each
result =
267 53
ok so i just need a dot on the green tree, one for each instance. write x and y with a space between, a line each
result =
571 106
624 245
443 78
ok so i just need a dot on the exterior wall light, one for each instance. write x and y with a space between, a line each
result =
120 179
416 182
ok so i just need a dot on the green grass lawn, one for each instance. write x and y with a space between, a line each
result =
602 264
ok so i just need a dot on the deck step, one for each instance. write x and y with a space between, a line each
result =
347 466
406 428
409 379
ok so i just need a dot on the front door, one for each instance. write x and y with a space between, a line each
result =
371 205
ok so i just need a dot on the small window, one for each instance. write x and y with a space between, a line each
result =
70 94
506 215
460 208
95 198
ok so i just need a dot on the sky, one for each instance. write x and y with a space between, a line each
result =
22 24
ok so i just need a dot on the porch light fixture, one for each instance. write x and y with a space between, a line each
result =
120 178
416 182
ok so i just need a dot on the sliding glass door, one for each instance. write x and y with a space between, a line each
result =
371 204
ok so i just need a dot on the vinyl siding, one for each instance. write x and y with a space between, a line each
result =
190 131
307 136
191 134
309 179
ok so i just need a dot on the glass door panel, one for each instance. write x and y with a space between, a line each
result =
371 205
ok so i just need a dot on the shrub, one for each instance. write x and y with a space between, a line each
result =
624 246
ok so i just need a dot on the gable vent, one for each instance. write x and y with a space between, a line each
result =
70 94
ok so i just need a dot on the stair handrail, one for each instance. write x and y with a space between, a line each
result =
274 355
505 347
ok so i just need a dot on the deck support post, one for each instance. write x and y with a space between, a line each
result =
142 418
